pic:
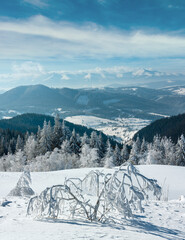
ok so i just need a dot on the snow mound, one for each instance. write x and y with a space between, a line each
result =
162 220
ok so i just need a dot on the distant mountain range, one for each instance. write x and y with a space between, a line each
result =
106 102
172 127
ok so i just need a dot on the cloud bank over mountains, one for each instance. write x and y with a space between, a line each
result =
92 42
34 73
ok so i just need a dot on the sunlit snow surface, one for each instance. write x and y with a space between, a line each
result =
161 219
157 114
123 128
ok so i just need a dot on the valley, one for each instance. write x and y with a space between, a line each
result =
121 129
118 112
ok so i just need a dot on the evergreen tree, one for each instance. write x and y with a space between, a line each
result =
3 149
97 142
152 156
65 147
66 133
45 139
57 133
10 149
117 156
134 153
158 148
180 151
169 151
19 144
101 146
124 153
20 161
143 152
143 147
23 186
74 143
94 140
88 156
109 160
84 139
30 147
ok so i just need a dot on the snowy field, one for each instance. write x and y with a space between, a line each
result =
161 219
123 128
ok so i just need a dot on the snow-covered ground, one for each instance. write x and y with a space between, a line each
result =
161 219
180 91
123 128
157 114
7 114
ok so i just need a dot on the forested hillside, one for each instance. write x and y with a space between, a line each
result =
55 146
171 127
30 122
59 145
18 129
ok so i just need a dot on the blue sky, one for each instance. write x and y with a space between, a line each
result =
82 43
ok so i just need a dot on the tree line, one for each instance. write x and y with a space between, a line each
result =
57 147
162 150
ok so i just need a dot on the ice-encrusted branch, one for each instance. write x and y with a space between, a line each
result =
97 196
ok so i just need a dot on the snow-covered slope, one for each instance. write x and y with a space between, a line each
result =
161 219
121 128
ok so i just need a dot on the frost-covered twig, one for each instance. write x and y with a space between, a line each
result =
96 197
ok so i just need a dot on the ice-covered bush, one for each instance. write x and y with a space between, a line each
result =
97 197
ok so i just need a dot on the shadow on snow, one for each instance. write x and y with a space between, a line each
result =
139 225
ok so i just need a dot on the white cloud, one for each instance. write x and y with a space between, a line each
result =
39 37
25 73
119 75
100 71
33 73
37 3
138 72
65 77
145 72
28 67
88 76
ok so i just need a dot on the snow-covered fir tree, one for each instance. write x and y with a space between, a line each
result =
117 156
74 143
57 133
44 143
94 140
134 154
56 147
124 153
19 144
30 147
89 156
19 161
109 160
84 139
180 151
23 186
